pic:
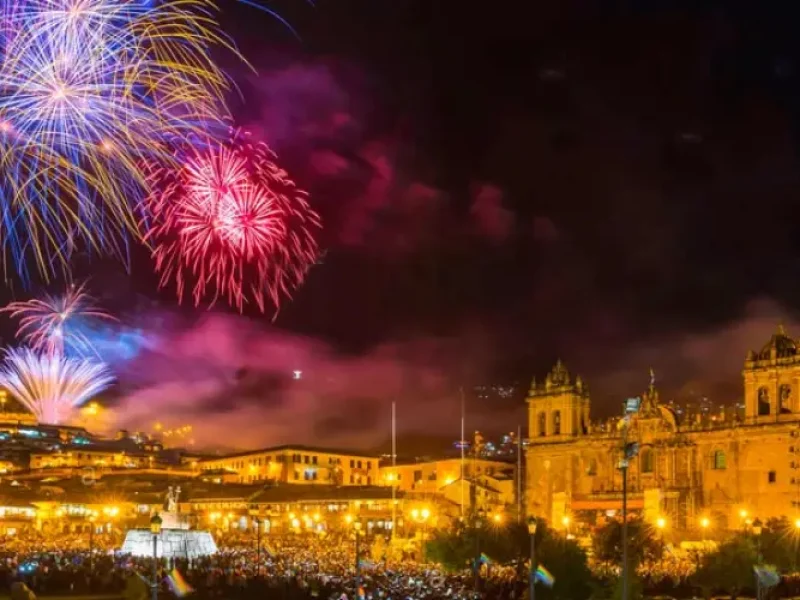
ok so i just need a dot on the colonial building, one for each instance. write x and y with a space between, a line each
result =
297 464
712 474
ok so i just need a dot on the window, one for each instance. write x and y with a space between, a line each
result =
785 399
296 475
314 476
542 425
771 477
314 460
719 461
352 478
647 460
359 464
306 459
417 475
352 464
556 422
369 464
591 469
763 401
369 480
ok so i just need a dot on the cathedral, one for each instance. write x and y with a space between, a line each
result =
715 476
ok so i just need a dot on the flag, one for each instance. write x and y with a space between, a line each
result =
178 584
767 575
544 576
484 560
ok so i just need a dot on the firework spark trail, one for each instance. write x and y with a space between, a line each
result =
89 90
230 223
52 386
55 324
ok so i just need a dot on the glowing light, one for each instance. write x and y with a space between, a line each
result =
52 386
743 514
661 522
565 521
498 518
797 523
230 223
297 374
58 324
705 522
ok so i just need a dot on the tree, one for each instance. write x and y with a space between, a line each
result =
457 548
729 569
642 542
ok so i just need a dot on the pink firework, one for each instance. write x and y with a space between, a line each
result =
230 223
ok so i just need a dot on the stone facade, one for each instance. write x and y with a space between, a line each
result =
727 473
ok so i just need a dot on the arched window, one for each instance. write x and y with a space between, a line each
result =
542 425
718 460
785 399
647 460
591 468
763 401
556 422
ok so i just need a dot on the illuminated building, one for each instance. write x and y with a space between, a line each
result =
86 457
706 471
493 480
297 464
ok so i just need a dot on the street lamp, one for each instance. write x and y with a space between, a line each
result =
532 572
357 529
258 546
479 516
155 529
629 451
91 543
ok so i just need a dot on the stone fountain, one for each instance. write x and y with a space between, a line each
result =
176 540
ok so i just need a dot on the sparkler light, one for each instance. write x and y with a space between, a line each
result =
58 324
89 90
52 386
230 223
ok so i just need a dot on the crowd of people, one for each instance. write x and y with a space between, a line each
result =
288 568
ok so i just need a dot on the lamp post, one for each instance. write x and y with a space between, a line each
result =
357 529
479 516
155 529
532 572
91 544
258 546
629 451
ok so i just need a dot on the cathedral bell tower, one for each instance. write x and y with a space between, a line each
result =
558 409
772 380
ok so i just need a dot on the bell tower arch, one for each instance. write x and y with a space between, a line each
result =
772 380
559 407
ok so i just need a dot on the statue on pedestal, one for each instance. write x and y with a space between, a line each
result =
173 493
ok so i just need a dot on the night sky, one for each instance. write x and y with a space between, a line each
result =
611 183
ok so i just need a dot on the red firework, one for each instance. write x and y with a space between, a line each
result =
230 223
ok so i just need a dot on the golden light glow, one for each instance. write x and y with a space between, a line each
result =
415 513
565 521
661 522
295 523
498 518
425 513
797 523
317 517
743 513
348 519
705 522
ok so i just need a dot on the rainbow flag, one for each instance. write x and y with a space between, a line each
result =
484 560
178 584
544 576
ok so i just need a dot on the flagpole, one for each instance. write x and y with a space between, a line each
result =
394 468
519 473
462 443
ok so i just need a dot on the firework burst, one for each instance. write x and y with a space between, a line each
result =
58 324
230 223
52 386
89 90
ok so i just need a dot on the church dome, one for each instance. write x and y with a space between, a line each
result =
781 344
